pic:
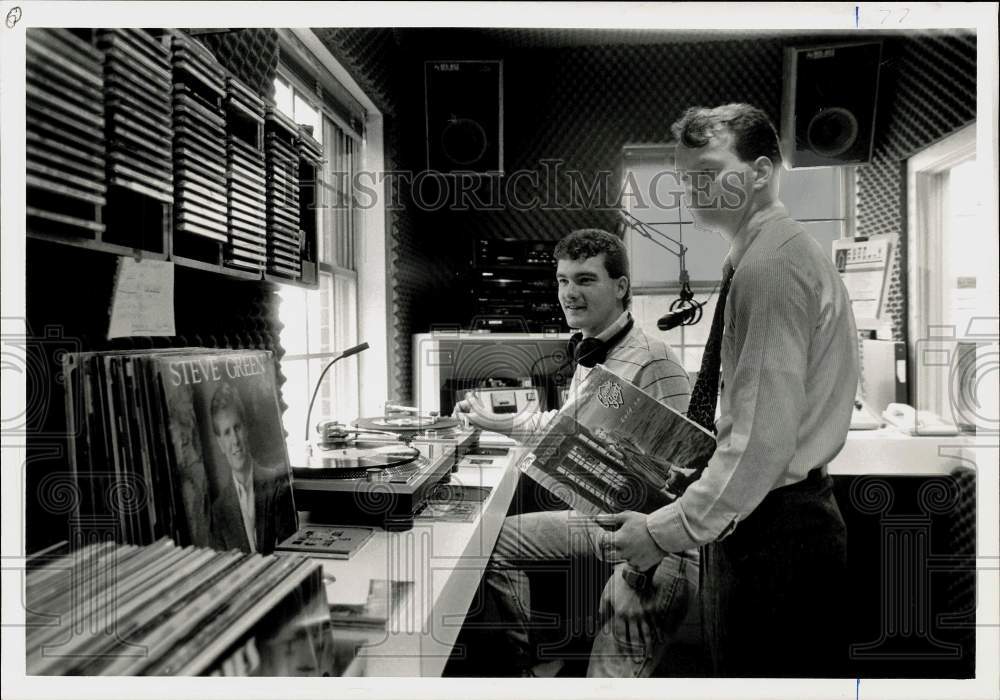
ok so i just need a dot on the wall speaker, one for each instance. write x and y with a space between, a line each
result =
463 102
828 106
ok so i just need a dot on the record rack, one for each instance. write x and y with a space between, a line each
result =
140 142
284 235
108 609
245 174
65 159
139 135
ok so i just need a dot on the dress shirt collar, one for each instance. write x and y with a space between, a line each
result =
615 327
244 482
746 236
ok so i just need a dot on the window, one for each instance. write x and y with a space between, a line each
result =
952 264
819 198
317 324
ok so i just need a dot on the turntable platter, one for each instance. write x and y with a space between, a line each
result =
352 461
403 424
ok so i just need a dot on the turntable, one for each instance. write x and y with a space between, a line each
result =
403 423
380 470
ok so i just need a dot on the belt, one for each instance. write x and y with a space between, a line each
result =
814 477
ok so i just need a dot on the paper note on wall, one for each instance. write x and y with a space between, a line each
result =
863 266
143 299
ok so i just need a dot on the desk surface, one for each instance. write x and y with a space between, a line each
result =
888 452
445 561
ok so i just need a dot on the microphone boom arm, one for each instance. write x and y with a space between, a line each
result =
647 230
685 301
346 353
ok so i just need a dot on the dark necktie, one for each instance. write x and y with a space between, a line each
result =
701 408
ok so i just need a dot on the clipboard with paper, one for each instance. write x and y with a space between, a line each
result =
863 266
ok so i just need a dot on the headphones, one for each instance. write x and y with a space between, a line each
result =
591 351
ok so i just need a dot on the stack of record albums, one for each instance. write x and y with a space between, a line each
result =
181 496
185 443
109 609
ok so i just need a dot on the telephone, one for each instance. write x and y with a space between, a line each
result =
863 419
913 422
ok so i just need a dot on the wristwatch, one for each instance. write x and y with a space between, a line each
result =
638 580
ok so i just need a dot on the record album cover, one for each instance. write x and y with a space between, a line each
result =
614 447
228 448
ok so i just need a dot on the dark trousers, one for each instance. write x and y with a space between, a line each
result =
772 591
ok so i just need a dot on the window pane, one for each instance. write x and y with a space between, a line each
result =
948 251
707 251
814 193
308 116
330 180
358 213
318 323
293 311
825 233
283 97
966 233
346 324
295 392
339 216
326 311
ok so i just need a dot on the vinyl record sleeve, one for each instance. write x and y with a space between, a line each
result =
155 102
195 217
152 49
64 118
158 626
65 52
227 613
52 165
52 133
187 185
613 447
217 186
88 178
125 51
196 609
234 435
287 627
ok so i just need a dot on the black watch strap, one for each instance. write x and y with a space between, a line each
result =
638 580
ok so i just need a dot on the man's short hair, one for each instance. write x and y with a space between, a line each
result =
753 133
589 242
226 398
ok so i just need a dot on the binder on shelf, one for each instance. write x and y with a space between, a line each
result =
883 374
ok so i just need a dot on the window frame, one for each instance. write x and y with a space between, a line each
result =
926 216
368 279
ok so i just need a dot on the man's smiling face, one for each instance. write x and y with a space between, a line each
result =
590 299
231 433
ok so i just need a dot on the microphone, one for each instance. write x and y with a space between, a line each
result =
345 353
350 351
683 317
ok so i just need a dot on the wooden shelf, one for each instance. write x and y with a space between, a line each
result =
217 268
270 277
100 246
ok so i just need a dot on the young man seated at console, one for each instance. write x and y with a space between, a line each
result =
644 624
